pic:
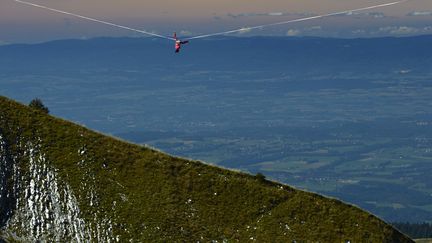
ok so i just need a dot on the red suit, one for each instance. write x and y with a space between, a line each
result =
178 43
177 46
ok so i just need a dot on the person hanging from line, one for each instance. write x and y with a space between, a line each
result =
178 43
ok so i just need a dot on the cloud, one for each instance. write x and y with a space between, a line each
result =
420 13
391 31
359 32
306 31
244 30
403 30
273 14
368 14
276 14
399 30
293 32
2 43
314 28
376 15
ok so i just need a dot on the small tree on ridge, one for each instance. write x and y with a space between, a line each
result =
38 104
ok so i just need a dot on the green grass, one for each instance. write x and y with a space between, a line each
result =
163 198
423 240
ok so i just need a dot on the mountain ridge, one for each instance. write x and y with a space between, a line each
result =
285 52
104 38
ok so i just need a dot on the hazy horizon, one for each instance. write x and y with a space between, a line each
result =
25 24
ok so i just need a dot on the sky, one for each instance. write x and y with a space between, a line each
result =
24 24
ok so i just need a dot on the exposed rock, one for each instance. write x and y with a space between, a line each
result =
37 205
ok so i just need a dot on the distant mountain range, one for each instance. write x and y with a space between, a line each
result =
222 53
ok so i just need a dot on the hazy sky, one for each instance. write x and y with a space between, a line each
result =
21 23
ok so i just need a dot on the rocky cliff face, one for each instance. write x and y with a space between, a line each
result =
36 204
7 187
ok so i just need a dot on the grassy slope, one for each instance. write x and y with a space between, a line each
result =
423 240
161 197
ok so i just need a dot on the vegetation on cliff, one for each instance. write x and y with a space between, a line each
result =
148 195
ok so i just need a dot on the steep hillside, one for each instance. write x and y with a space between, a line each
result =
63 182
